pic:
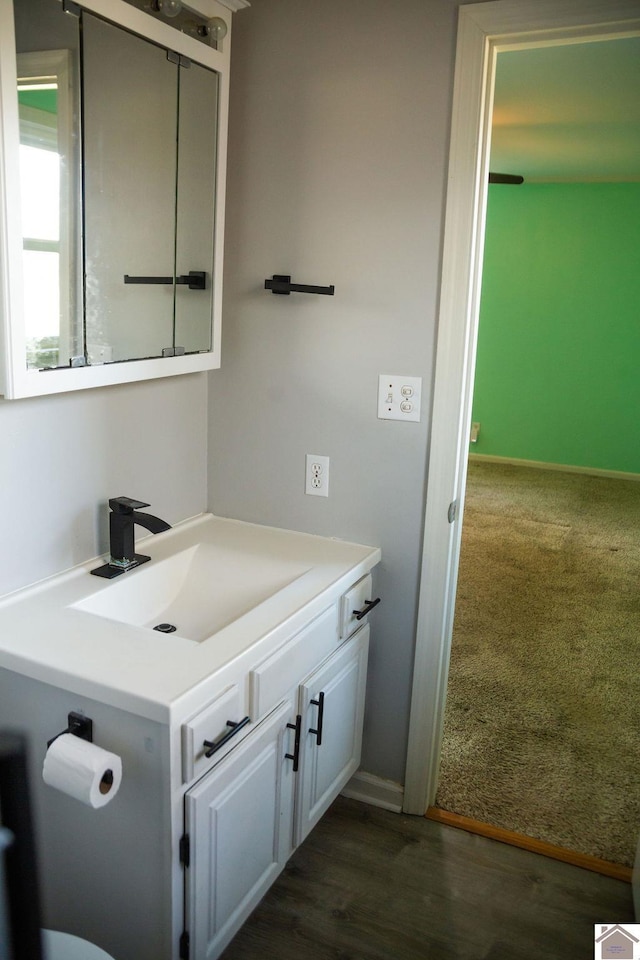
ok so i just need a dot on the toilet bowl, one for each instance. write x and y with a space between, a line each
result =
64 946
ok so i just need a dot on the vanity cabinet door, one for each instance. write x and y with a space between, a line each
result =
331 703
239 821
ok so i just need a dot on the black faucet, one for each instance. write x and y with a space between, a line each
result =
122 520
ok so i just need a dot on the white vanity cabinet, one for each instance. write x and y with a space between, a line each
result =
245 817
233 744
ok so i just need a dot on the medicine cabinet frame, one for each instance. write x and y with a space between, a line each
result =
16 381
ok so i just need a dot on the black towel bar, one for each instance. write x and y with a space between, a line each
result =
280 283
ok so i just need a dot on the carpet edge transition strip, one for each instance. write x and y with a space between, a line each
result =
614 870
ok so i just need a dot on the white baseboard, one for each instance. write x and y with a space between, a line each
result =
374 790
563 467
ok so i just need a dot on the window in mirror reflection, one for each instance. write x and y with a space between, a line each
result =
52 337
40 196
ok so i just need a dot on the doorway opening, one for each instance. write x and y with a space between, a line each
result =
550 558
483 34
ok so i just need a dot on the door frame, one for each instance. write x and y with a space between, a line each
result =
484 29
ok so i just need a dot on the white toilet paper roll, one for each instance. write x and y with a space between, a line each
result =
82 770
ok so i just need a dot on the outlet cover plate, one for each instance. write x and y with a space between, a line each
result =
316 475
399 397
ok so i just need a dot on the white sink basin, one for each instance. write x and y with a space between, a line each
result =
198 590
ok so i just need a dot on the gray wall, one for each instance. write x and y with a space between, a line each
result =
337 168
62 457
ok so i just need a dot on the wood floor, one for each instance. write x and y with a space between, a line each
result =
372 885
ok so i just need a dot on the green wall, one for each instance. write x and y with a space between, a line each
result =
46 100
558 365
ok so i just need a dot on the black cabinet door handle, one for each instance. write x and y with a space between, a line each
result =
295 756
195 279
319 703
214 745
368 606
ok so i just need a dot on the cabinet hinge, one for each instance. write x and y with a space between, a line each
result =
178 59
185 850
184 946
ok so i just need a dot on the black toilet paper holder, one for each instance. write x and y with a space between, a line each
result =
79 726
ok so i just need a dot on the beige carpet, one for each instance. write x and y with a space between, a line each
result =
542 725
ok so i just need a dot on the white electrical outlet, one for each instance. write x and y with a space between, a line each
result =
317 475
399 397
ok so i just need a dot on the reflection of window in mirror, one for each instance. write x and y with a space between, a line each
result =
49 210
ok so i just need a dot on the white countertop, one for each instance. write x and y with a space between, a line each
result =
45 637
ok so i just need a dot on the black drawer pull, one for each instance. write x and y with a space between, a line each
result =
295 756
368 606
319 703
214 745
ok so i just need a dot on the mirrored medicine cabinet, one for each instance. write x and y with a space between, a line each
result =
112 166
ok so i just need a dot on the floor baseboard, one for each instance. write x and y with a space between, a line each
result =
368 788
560 467
614 870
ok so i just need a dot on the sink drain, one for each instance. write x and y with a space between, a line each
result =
165 628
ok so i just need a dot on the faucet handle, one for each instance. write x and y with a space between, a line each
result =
125 505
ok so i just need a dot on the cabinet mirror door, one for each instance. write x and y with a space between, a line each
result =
149 134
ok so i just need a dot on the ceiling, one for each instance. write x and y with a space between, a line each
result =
568 112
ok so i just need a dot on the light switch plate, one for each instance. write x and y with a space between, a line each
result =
399 397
